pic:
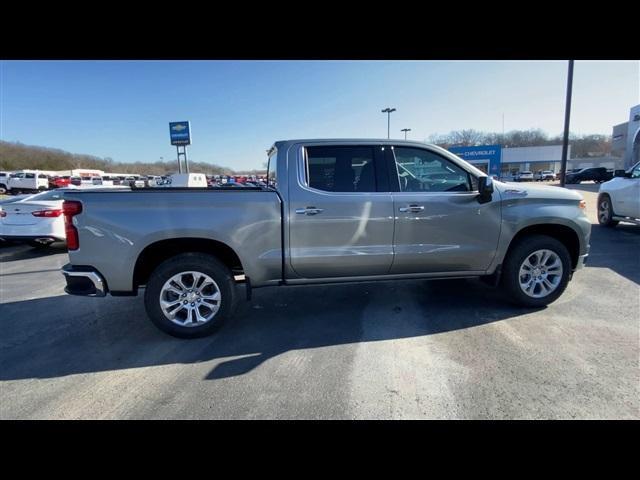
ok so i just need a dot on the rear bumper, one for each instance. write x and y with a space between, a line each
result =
84 281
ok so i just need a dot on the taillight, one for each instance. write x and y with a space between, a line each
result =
3 213
70 208
47 213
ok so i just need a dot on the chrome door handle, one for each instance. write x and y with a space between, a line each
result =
412 209
309 211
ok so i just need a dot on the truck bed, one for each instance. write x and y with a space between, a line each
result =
115 226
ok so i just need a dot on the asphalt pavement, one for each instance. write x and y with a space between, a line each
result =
385 350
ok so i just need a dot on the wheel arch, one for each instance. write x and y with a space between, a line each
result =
156 253
563 233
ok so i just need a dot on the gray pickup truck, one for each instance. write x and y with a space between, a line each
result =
333 211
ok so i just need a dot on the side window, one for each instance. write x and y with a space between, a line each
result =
42 175
30 175
635 173
272 180
341 169
424 171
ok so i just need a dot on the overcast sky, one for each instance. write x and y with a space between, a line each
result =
121 109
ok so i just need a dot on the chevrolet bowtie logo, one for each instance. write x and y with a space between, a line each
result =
179 128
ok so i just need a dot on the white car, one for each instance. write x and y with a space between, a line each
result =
36 219
619 198
543 175
524 177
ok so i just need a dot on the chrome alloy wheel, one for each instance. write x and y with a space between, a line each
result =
190 299
540 273
604 212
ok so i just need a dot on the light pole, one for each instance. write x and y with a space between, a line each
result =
388 112
405 130
567 117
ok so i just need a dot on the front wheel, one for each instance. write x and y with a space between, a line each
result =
605 212
190 295
536 271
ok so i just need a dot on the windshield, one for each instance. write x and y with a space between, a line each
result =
50 195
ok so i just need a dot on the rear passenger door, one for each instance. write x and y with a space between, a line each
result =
340 211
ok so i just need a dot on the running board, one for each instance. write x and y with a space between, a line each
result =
625 219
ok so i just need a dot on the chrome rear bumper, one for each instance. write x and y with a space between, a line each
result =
84 281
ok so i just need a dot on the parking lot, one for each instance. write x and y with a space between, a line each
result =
387 350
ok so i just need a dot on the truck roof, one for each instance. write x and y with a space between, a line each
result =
383 141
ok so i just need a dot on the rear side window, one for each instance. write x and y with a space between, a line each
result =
424 171
30 175
341 169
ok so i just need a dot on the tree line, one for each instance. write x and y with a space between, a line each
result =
17 156
581 145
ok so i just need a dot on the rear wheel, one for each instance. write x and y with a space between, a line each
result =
536 271
605 211
190 295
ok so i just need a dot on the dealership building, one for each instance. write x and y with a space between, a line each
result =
503 162
625 141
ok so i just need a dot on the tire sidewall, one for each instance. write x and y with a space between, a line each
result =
511 270
203 263
609 222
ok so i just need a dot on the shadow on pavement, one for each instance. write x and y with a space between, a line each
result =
617 249
66 335
14 252
585 187
59 336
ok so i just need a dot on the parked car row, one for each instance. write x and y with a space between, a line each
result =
17 183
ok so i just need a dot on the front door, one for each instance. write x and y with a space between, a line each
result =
627 197
439 224
340 212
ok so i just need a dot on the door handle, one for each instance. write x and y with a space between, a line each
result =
412 208
309 211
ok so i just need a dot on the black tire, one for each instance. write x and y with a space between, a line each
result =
605 216
198 262
518 253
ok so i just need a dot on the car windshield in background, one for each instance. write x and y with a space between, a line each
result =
50 195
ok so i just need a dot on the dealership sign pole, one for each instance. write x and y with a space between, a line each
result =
567 116
180 134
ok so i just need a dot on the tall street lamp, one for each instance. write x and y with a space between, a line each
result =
388 112
567 117
405 130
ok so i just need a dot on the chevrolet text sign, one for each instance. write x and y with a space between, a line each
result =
180 133
482 154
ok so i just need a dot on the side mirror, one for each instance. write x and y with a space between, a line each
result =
620 173
485 189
